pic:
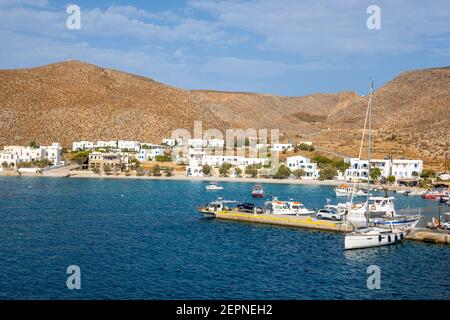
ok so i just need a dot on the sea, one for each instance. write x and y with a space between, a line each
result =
144 239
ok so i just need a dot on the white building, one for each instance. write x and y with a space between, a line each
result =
401 169
128 145
194 169
13 155
82 145
216 143
217 161
106 144
150 153
53 153
406 169
282 147
197 143
299 162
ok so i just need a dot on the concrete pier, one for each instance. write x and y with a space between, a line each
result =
429 235
306 222
286 220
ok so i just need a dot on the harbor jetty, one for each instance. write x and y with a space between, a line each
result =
429 235
306 222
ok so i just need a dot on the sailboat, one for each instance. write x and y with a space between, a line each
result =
366 236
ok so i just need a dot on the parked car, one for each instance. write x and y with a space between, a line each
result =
329 214
247 207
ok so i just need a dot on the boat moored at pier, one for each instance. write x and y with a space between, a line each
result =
276 206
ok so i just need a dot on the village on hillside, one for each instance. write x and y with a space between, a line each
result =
211 158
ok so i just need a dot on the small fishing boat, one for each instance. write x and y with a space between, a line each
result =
258 191
219 205
213 186
346 191
276 206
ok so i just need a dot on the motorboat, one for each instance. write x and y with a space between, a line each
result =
368 237
381 212
213 186
258 191
276 206
219 205
435 194
346 191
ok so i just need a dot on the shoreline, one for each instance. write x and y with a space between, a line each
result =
89 175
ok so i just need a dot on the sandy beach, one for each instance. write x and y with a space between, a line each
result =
177 177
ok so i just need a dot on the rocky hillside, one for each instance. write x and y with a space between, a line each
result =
411 115
74 100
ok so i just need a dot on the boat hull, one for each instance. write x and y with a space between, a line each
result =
361 241
257 195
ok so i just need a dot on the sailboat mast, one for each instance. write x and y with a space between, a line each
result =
369 151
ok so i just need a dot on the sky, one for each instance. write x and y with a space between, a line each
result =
283 47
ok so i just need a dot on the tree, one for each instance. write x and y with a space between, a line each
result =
5 165
224 169
163 158
375 174
251 170
106 168
427 174
391 179
327 172
34 144
96 170
299 173
135 163
139 171
168 171
80 157
238 172
156 170
282 173
206 169
415 174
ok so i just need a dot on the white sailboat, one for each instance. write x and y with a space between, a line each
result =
368 237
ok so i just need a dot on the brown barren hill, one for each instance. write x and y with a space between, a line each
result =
73 100
411 116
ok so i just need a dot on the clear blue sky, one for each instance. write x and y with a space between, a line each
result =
285 47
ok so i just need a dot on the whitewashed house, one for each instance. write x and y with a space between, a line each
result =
106 144
53 153
82 145
400 169
406 169
194 169
123 145
282 147
150 153
300 162
19 154
216 143
197 143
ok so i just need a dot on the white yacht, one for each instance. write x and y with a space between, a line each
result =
368 237
373 237
276 206
346 191
213 186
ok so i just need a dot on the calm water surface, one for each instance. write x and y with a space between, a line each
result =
142 239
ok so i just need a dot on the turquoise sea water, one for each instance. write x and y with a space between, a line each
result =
143 239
